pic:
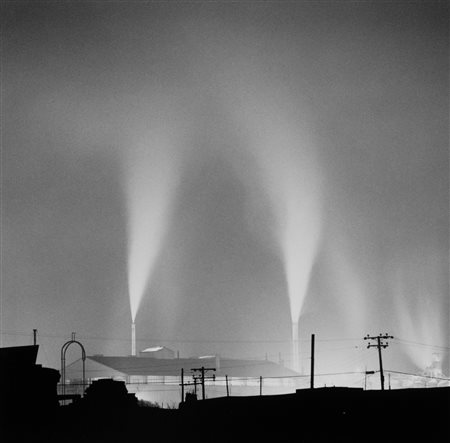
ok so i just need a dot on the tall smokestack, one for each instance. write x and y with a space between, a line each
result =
133 339
295 348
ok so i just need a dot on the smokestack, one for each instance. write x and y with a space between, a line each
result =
295 348
133 339
217 362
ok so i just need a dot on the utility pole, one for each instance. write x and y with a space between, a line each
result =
379 344
312 361
226 382
260 385
34 337
202 371
182 385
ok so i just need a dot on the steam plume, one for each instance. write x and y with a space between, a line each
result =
152 178
289 171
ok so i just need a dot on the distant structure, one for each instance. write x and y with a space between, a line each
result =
157 352
156 374
435 368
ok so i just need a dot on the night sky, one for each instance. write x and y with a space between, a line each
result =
206 137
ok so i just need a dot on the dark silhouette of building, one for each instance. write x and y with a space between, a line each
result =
28 391
108 412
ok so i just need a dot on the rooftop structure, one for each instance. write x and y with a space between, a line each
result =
158 379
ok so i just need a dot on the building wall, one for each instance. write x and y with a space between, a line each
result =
94 370
167 393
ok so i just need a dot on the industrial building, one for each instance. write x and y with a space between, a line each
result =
155 375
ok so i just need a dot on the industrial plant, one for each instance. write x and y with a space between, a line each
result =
242 209
110 403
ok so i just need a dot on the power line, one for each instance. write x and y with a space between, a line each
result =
418 375
414 343
174 340
218 341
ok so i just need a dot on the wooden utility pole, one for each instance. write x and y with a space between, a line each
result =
312 360
226 382
379 344
34 337
182 385
260 385
202 371
194 383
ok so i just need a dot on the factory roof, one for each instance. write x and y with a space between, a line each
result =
173 366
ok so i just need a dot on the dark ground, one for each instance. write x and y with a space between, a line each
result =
325 414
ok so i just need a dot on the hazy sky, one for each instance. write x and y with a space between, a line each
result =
227 112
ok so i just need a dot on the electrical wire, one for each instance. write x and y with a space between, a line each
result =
417 375
414 343
173 340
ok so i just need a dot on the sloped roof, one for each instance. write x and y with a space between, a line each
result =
173 366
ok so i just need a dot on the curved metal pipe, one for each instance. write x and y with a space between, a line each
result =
64 348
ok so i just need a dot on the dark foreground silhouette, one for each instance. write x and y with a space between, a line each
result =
108 413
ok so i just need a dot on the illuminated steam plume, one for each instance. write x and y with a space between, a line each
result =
285 154
421 321
291 179
295 202
152 176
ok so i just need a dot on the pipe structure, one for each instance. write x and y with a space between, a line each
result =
133 339
63 363
295 348
313 337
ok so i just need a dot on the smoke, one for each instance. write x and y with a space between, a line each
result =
148 148
271 118
301 91
421 320
281 141
291 179
152 170
349 289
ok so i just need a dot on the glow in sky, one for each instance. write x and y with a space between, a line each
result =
238 165
151 173
286 158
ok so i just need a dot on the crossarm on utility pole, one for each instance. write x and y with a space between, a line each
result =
202 371
379 345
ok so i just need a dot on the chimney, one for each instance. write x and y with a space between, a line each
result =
133 339
217 362
295 349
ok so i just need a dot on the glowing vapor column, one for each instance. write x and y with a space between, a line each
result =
133 339
295 348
